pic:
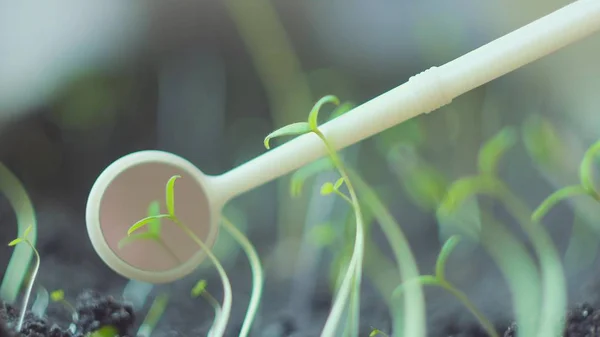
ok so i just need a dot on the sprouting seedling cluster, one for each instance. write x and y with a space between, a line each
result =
219 328
349 289
25 239
586 186
439 279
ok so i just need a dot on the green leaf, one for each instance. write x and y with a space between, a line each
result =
327 188
57 295
555 198
153 210
27 231
137 236
443 257
542 141
314 113
144 222
322 235
341 109
586 169
15 242
491 152
105 331
338 183
199 288
465 188
294 129
308 171
170 195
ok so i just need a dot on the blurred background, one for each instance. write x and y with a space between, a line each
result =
83 83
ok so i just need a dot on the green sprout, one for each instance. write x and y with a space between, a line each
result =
586 186
170 215
105 331
350 286
487 183
153 233
199 289
59 296
439 279
158 307
377 332
25 239
257 274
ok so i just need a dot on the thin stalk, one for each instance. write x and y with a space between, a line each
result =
414 299
29 285
353 276
156 311
462 297
257 274
227 297
553 280
168 250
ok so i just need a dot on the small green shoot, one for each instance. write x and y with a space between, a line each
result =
350 287
153 233
198 290
105 331
19 240
439 279
376 332
59 297
587 185
170 204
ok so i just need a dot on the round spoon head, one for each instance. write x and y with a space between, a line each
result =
134 187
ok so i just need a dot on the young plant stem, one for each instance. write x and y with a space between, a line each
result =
257 274
411 320
25 302
352 280
227 296
156 311
169 251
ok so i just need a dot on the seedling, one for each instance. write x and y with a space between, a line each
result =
200 290
350 287
486 182
25 239
59 296
439 279
105 331
586 186
153 233
170 204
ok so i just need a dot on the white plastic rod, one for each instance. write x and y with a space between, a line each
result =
423 93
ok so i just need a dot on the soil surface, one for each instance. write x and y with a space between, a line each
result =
95 310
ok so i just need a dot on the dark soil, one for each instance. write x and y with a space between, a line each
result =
95 311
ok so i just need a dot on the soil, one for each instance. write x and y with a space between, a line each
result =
95 310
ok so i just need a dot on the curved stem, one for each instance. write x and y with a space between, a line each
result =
586 170
227 297
555 198
257 274
352 279
29 285
462 297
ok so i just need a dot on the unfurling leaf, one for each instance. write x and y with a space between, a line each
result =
170 195
144 222
15 242
27 231
314 113
327 188
294 129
